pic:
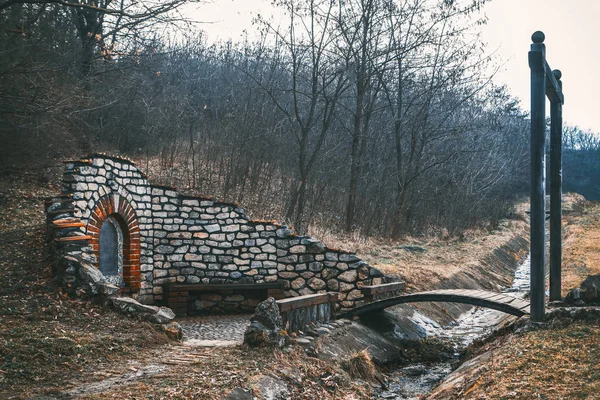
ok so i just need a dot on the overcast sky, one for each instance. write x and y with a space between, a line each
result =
572 35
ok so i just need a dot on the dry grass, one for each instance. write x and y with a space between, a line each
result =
548 364
581 245
360 366
443 258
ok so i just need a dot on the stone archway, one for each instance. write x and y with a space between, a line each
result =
113 224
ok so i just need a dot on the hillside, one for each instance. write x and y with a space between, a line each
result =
51 345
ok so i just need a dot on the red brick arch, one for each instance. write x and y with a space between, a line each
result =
119 208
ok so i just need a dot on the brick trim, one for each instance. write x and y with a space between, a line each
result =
119 208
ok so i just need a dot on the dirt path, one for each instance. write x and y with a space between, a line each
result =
172 356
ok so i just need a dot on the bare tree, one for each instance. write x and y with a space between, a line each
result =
315 82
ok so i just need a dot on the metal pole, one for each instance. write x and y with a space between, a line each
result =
538 207
555 194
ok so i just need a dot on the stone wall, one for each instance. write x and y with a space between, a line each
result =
172 238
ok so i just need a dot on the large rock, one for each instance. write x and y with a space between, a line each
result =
80 277
91 278
270 388
163 316
266 326
588 292
128 305
239 394
590 288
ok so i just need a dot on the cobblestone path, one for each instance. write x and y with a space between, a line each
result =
214 330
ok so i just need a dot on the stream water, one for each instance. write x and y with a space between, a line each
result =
417 379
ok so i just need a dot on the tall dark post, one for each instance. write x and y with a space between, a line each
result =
537 61
555 194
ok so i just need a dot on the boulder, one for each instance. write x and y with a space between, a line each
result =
128 305
590 288
163 316
132 307
239 394
91 278
270 388
574 297
108 289
588 292
266 326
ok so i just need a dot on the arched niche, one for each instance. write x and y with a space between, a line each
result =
122 233
111 251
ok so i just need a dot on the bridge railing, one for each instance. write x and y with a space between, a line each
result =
299 313
383 291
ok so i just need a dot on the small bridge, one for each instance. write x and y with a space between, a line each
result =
497 301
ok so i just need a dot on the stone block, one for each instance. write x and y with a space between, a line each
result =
212 228
341 266
333 285
348 276
193 257
159 273
348 257
269 248
164 249
315 266
298 283
234 298
329 273
331 256
231 228
316 284
288 259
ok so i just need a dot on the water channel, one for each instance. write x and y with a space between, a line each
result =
418 379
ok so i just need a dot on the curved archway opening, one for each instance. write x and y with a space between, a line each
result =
116 242
111 251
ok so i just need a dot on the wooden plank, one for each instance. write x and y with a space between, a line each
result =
294 303
224 286
494 299
65 221
507 300
553 88
443 292
61 211
466 292
487 295
73 238
383 288
70 224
